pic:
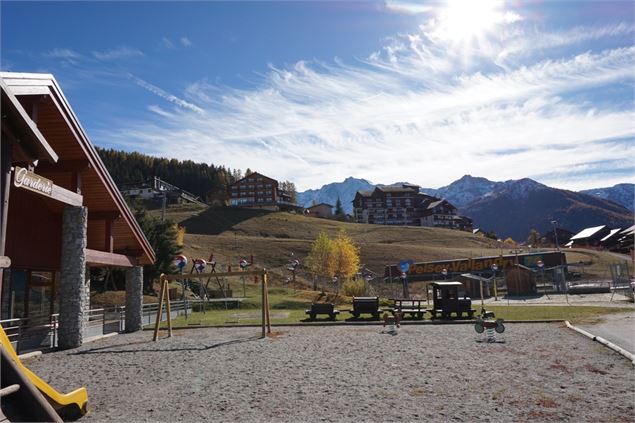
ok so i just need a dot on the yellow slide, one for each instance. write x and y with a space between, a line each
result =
71 405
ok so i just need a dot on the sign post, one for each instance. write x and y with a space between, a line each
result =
541 266
494 269
404 266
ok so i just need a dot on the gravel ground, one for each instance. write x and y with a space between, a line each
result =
543 372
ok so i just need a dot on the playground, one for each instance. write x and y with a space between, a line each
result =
345 373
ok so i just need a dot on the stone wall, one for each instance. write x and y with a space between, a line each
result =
74 294
134 298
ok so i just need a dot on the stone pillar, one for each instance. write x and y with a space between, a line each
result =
134 298
74 293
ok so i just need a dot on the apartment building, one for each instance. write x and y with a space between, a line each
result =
257 191
405 205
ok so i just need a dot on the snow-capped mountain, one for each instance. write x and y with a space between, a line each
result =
509 208
516 207
623 194
329 193
464 190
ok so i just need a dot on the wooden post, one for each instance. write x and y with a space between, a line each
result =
5 188
495 289
167 308
160 309
263 303
264 278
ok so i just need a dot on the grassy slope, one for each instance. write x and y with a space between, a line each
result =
271 238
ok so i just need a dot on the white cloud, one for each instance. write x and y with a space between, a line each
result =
160 111
166 96
413 111
185 42
167 43
64 54
122 52
408 7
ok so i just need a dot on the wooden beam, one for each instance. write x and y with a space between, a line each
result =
64 166
174 277
76 182
66 196
103 258
109 239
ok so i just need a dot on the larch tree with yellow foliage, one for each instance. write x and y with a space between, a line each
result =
334 257
320 257
345 256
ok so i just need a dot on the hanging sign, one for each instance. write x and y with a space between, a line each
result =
26 179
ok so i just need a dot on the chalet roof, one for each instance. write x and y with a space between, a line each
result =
365 193
440 284
588 232
321 204
60 126
32 139
433 204
475 277
256 174
628 231
611 234
402 188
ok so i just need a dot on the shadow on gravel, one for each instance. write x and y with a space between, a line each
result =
114 349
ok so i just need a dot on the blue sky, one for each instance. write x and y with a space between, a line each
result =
318 91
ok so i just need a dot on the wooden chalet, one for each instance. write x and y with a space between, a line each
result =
61 212
257 191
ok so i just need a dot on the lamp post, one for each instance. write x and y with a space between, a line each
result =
494 269
560 272
541 266
555 233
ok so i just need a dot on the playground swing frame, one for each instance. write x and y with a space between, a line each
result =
164 296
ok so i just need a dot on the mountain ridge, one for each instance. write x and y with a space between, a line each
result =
528 204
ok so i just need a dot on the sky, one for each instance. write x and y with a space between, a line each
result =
315 92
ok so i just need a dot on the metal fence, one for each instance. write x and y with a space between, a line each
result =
27 334
570 284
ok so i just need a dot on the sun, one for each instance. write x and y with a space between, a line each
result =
464 20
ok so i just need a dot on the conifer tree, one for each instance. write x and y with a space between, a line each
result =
339 210
162 236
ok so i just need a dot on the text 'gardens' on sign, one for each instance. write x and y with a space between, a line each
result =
24 178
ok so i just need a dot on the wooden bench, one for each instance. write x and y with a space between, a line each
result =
322 308
412 307
368 305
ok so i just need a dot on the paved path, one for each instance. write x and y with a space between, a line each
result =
618 328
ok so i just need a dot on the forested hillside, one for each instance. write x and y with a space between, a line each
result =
197 178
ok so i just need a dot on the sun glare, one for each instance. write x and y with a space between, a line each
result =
463 20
